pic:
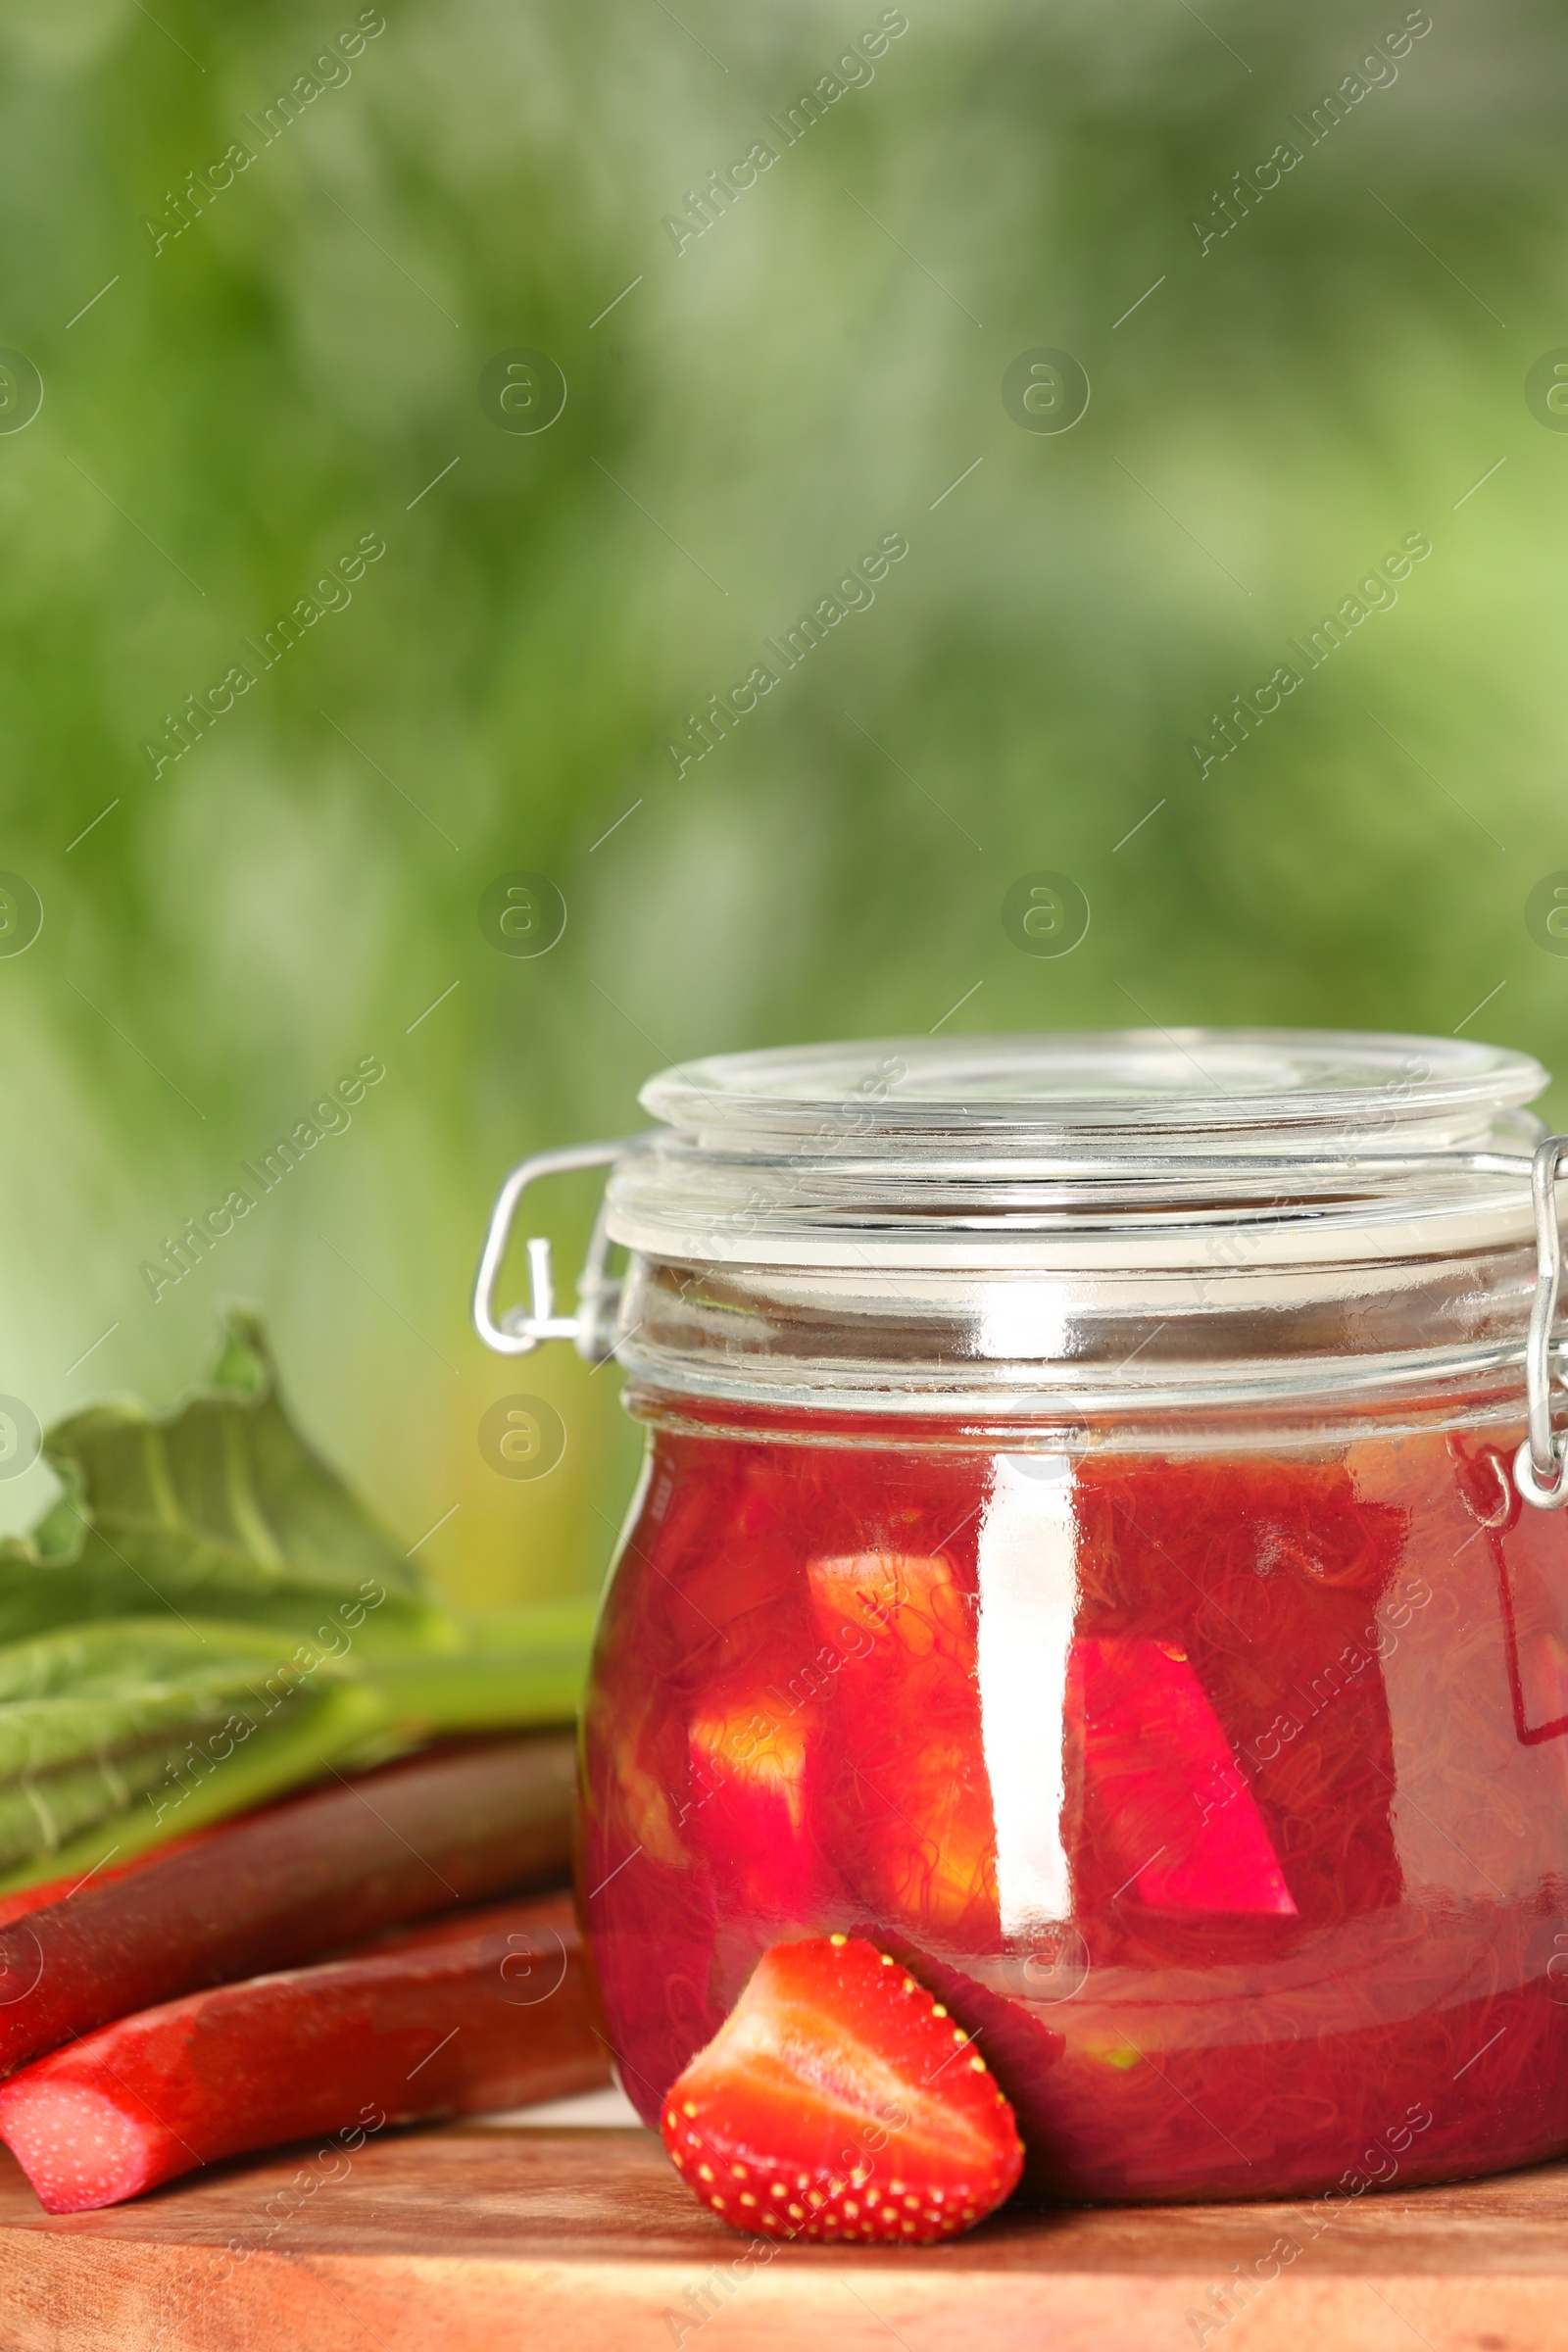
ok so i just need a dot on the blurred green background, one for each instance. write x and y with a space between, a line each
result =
229 411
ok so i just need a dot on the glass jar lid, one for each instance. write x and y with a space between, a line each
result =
1247 1085
1121 1229
1081 1149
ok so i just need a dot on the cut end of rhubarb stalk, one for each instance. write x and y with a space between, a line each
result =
80 2148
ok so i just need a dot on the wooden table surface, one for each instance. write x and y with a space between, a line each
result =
478 2238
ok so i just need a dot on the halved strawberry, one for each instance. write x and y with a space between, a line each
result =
837 2101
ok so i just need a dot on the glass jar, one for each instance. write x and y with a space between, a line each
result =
1080 1547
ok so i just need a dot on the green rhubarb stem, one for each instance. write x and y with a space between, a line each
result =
478 1691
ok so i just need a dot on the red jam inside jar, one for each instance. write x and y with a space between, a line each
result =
1226 1797
1081 1549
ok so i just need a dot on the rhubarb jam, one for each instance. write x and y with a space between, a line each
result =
1224 1795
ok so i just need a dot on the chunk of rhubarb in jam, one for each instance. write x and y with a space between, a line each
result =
1176 1813
907 1599
1269 1576
909 1804
748 1764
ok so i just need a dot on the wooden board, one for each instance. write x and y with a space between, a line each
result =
481 2239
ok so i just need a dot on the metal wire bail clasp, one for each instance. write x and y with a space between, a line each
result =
1541 1465
519 1330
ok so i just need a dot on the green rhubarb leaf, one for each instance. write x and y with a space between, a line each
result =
217 1508
109 1656
120 1734
106 1692
101 1720
69 1823
208 1617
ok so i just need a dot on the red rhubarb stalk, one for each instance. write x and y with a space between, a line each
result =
37 1897
487 2011
279 1886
